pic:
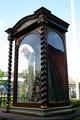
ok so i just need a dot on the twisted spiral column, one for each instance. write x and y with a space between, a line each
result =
9 72
44 76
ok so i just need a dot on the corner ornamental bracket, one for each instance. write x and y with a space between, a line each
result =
42 19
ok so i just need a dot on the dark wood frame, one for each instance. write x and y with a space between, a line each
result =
43 18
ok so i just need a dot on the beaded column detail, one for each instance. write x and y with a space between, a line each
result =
9 72
44 94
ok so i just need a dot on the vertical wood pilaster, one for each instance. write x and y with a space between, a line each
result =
44 76
9 72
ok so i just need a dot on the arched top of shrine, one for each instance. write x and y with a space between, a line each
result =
42 15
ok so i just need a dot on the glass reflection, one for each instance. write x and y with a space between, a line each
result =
55 40
29 69
57 75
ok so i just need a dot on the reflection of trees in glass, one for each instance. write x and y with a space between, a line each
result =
1 74
30 81
25 51
36 94
30 89
30 56
24 85
28 75
29 68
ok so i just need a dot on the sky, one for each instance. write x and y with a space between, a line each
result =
11 11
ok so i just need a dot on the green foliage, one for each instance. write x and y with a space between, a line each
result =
3 82
1 74
3 119
75 102
77 119
28 78
23 88
3 101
